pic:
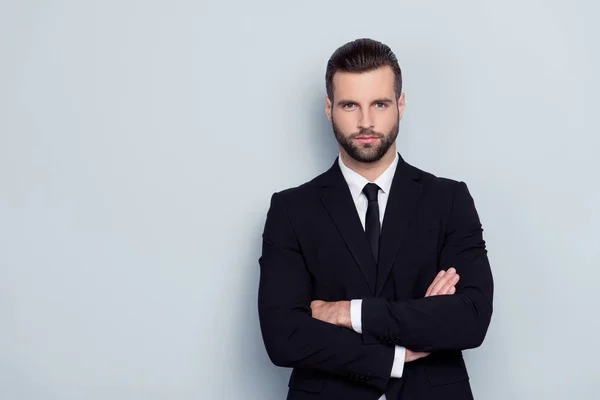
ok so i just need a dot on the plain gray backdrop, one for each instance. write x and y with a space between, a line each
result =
140 142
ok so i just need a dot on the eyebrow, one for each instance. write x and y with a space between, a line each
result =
384 100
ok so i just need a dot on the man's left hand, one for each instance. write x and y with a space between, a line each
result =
332 312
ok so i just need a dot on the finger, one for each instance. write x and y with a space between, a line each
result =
420 354
451 284
444 285
435 281
443 281
439 279
315 310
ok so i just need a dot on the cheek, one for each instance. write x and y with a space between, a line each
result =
386 121
345 121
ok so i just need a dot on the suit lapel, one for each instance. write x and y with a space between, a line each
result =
402 201
337 199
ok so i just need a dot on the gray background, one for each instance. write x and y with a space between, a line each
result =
140 142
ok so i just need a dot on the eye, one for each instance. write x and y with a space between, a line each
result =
349 106
380 105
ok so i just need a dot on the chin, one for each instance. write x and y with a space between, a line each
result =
368 158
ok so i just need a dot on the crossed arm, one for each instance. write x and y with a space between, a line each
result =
339 312
293 338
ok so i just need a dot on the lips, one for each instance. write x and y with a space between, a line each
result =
366 139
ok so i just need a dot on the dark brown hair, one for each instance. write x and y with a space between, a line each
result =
362 55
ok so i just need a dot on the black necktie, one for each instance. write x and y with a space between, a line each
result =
372 224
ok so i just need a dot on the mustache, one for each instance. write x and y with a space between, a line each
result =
367 133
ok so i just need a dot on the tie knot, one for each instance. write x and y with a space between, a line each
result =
371 190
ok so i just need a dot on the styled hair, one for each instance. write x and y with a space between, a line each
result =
362 55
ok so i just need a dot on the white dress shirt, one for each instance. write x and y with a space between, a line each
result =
356 183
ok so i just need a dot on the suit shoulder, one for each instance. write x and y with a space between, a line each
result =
439 182
442 188
300 192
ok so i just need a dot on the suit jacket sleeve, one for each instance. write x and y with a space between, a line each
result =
452 322
292 337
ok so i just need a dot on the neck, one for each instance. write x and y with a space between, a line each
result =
370 171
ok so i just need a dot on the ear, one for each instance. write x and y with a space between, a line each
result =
401 102
328 107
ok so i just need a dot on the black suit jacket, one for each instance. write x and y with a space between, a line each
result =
315 248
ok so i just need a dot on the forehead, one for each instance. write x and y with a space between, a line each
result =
364 85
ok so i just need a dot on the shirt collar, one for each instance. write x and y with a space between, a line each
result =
357 182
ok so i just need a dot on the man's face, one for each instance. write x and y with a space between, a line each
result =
364 113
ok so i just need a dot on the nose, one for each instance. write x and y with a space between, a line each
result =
365 121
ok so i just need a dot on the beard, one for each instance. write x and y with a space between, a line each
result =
367 152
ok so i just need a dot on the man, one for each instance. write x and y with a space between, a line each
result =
374 275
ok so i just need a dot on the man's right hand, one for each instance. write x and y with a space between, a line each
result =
444 283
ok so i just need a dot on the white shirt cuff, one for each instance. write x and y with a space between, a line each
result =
398 365
356 315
